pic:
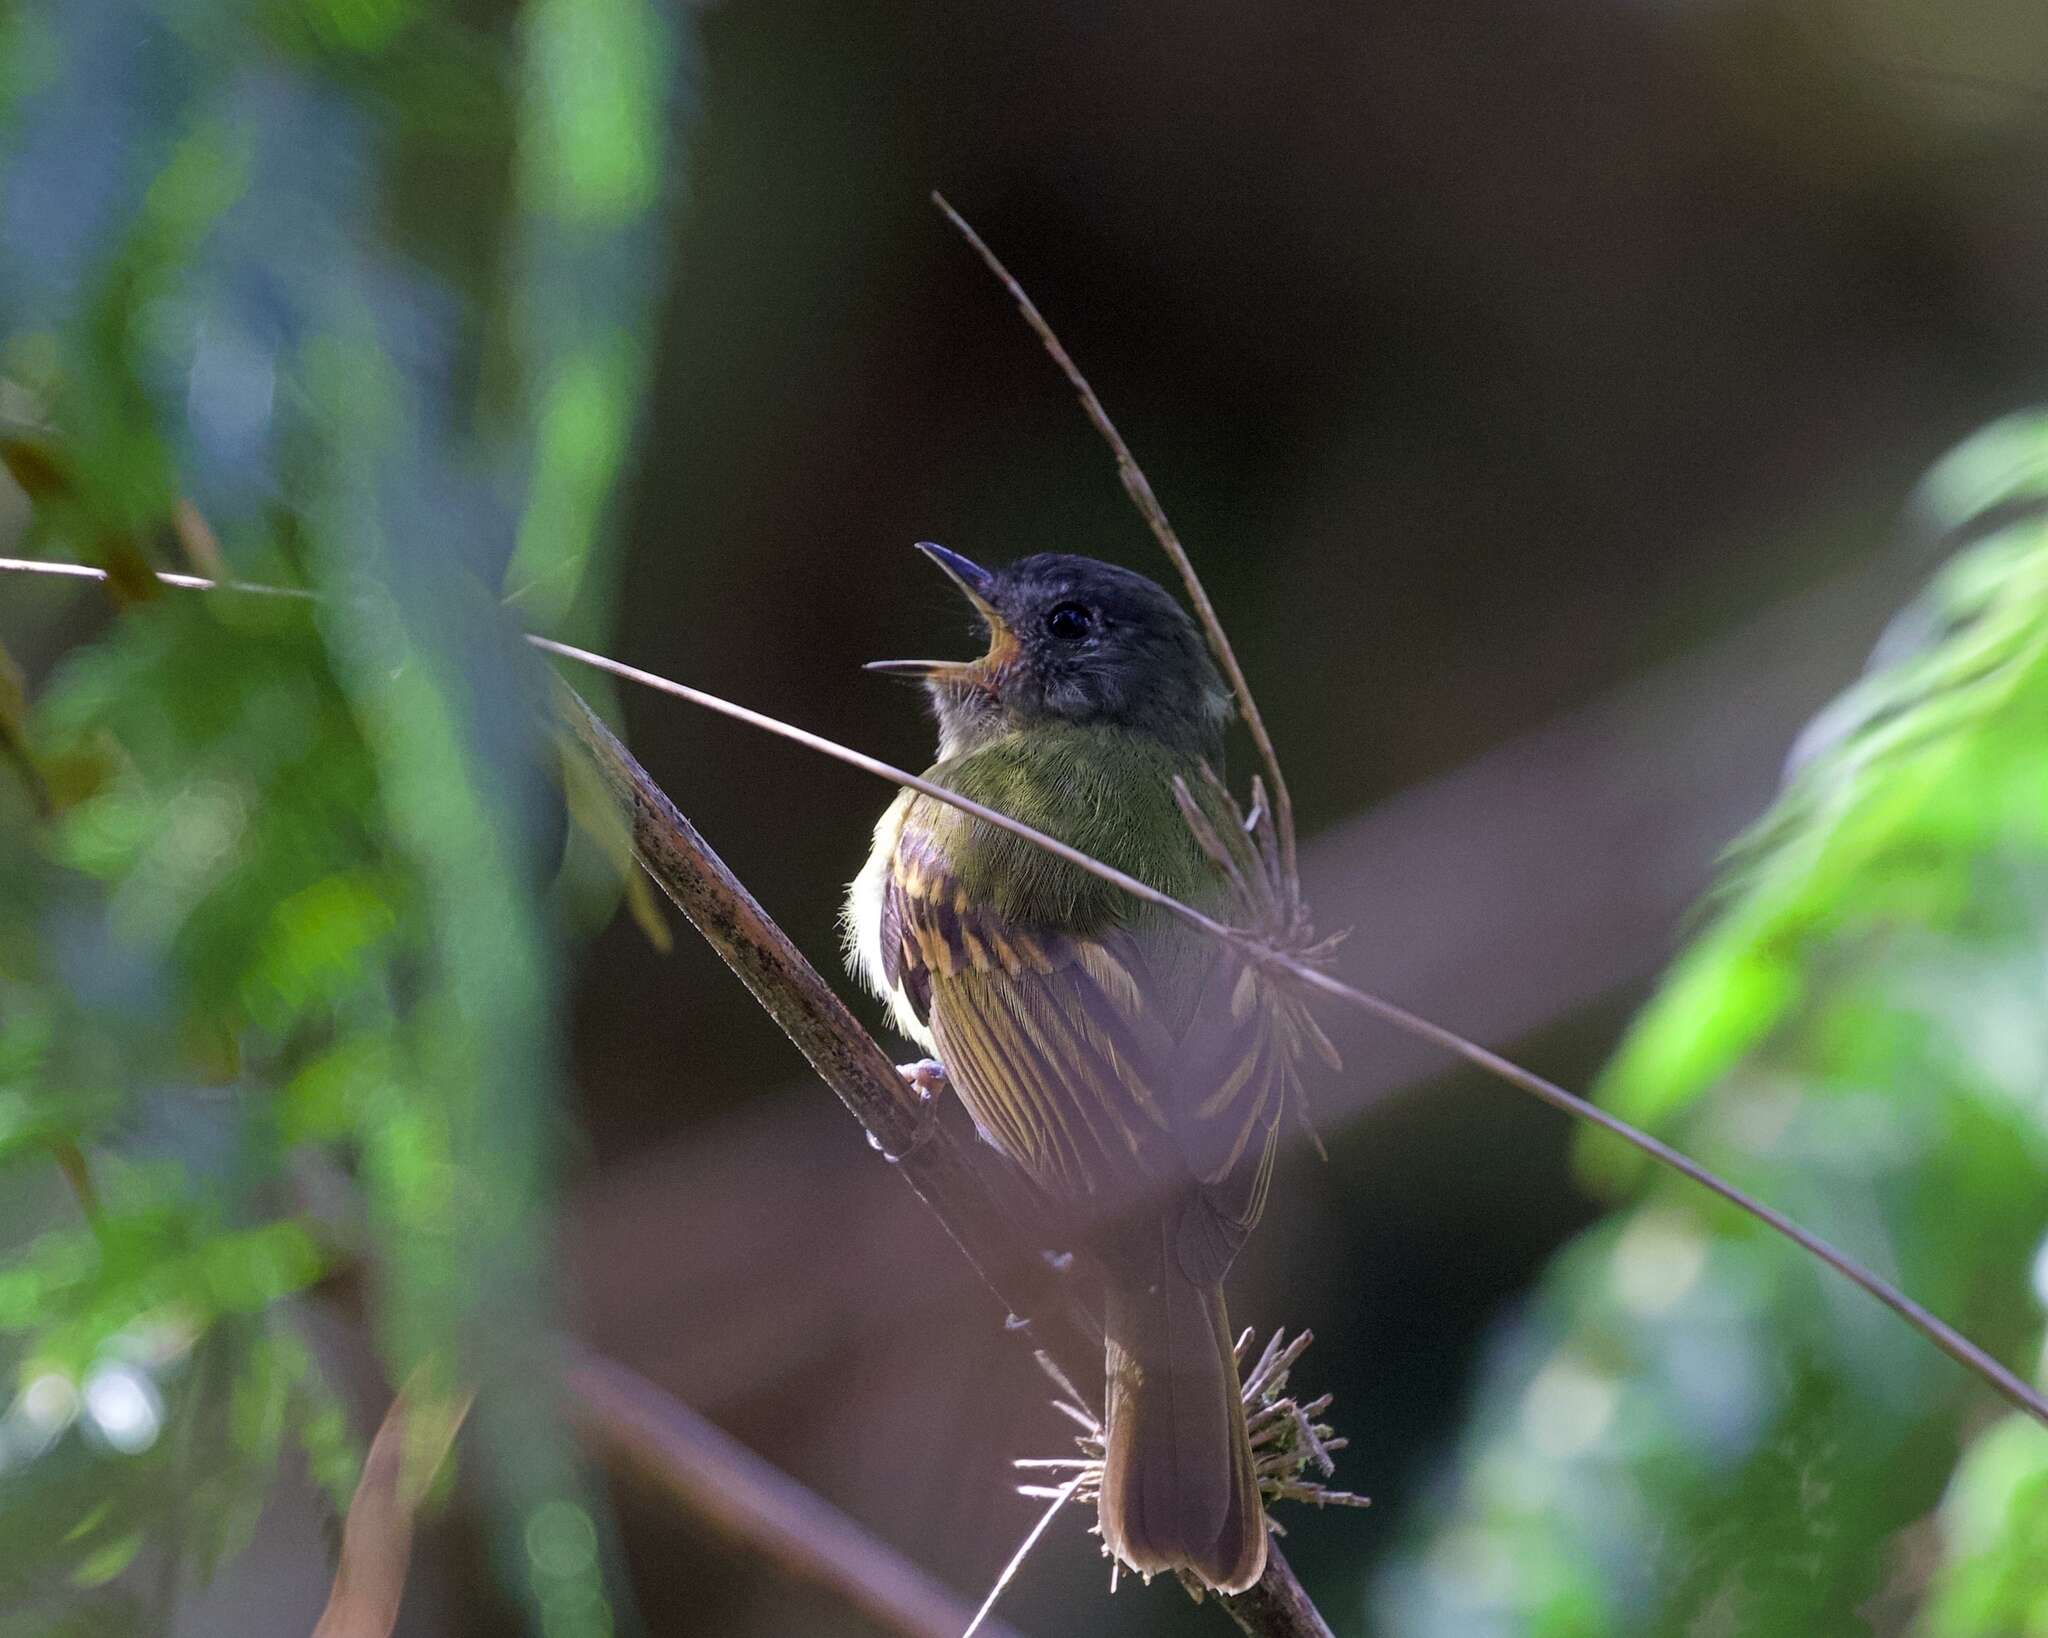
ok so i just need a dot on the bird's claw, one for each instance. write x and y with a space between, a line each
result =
926 1079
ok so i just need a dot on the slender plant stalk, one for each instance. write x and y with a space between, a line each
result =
1139 488
1966 1353
376 1542
1281 962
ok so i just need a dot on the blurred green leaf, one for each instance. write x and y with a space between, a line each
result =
1994 1523
1712 1432
280 894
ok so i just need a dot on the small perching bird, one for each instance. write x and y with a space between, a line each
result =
1134 1069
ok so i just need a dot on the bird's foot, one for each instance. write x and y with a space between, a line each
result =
926 1079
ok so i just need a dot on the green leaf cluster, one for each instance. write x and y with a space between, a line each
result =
281 899
1695 1428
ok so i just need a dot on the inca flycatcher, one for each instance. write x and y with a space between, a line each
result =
1133 1068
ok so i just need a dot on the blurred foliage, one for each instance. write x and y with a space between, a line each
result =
348 296
1694 1428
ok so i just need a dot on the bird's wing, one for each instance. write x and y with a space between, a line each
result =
1239 1053
1097 1062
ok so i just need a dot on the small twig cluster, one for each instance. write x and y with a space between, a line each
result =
1288 1438
1265 897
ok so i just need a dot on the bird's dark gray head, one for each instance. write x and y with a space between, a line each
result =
1072 639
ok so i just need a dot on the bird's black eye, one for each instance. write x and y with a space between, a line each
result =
1069 622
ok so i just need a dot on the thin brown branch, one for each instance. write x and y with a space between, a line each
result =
1139 488
663 1441
934 1162
1937 1331
931 1159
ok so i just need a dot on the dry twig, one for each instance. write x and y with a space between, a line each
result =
1139 488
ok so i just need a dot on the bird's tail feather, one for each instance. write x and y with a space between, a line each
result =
1178 1488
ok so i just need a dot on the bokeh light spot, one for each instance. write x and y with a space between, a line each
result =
124 1407
561 1541
1657 1261
1567 1408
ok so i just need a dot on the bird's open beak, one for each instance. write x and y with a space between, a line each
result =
978 585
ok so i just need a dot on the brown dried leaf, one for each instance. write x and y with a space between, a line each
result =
376 1543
